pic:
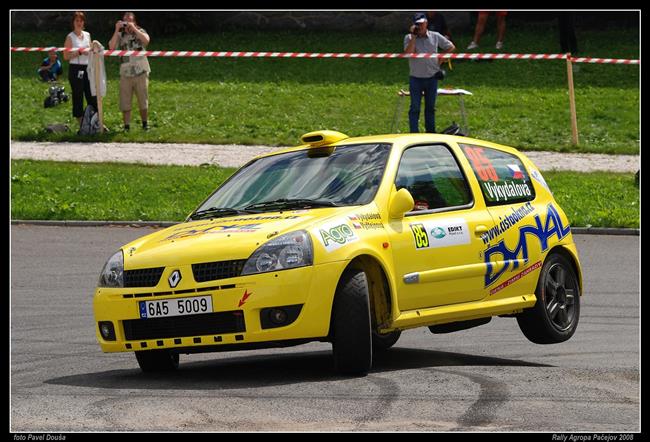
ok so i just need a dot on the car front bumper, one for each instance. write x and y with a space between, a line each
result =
239 311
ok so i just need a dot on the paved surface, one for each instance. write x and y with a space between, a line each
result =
237 155
488 378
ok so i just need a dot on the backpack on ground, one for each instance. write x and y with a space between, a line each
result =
89 121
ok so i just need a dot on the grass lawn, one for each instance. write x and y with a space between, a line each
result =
129 192
274 101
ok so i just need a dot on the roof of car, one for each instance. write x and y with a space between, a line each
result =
403 140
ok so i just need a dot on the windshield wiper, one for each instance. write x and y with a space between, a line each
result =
292 202
218 212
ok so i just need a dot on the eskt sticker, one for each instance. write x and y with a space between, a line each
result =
335 235
446 233
539 178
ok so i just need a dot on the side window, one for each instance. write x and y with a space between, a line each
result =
433 177
502 176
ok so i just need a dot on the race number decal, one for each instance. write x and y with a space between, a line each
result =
420 235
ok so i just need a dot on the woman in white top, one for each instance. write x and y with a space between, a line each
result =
77 75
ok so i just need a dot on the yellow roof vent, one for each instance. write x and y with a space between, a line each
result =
322 138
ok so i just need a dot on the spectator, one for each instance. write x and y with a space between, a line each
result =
134 70
424 73
568 42
437 23
51 68
480 27
78 39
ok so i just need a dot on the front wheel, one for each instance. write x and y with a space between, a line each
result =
157 360
554 317
382 342
351 336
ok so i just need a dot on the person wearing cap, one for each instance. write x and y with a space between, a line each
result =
134 70
50 68
424 72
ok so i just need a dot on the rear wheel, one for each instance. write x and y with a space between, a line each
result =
157 360
554 317
351 336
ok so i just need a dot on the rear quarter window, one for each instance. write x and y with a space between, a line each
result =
502 176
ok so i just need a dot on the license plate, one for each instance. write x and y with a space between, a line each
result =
175 307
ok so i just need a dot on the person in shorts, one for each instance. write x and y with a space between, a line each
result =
134 70
480 27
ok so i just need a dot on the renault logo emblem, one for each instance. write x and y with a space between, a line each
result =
174 278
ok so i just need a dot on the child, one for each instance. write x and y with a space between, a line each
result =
51 67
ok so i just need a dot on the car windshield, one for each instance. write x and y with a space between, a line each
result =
306 178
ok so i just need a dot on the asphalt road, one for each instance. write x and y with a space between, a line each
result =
488 378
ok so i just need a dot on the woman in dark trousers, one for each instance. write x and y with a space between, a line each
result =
77 75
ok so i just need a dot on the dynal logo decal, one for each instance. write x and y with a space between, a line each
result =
174 278
552 226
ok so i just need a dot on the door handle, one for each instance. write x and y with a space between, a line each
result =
480 230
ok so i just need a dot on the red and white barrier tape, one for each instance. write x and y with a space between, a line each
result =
117 53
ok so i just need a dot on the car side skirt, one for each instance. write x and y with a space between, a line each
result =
461 312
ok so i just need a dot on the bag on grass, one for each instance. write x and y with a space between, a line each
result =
89 121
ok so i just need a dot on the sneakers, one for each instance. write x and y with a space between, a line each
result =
499 45
472 45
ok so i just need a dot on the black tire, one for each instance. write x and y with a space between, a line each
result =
555 316
382 342
157 360
351 335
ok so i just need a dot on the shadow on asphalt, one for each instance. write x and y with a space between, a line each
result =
271 370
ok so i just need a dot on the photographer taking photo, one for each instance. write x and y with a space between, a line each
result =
424 73
134 70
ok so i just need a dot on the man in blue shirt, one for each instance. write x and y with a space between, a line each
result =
424 72
51 68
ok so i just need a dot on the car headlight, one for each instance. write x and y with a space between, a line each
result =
288 251
113 272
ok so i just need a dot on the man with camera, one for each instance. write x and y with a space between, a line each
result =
424 73
134 70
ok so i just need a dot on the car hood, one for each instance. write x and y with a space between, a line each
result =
220 239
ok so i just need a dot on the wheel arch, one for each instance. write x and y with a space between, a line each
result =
573 259
381 291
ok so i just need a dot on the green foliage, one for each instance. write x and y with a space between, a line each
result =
274 101
128 192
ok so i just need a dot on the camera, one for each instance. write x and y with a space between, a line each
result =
123 26
57 96
440 75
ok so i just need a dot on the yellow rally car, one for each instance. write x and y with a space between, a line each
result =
348 241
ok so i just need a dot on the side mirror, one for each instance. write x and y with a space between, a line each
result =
400 203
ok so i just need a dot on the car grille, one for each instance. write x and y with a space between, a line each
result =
190 325
211 271
143 277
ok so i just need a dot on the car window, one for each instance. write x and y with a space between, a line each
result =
502 176
433 177
349 176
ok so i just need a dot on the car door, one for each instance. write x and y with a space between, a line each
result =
523 227
437 246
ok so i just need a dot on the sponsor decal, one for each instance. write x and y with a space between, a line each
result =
516 278
243 299
505 190
447 232
536 174
543 231
366 221
214 229
335 235
507 221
